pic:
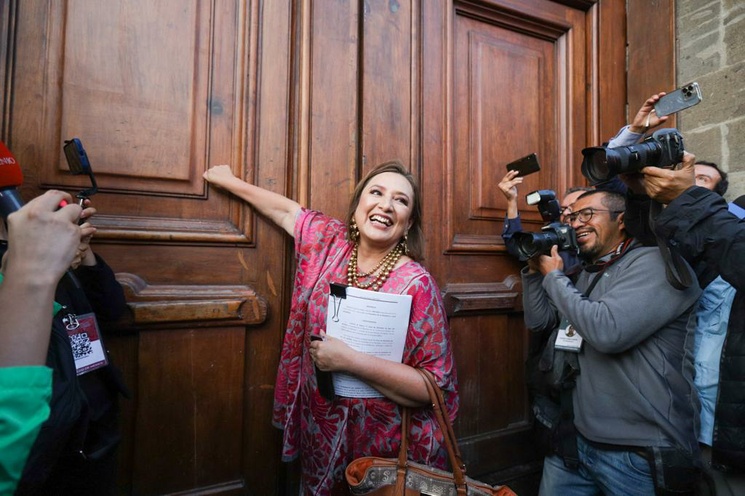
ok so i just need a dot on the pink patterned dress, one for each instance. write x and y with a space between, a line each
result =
327 435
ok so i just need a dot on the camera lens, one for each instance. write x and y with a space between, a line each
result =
600 164
595 166
531 244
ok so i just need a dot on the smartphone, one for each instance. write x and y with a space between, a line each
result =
77 158
526 165
680 99
77 161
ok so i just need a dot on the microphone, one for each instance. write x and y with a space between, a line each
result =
10 178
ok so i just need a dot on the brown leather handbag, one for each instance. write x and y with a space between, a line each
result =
374 476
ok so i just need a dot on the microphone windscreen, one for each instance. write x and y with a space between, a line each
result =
10 171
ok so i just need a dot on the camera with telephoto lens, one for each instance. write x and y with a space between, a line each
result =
663 149
530 244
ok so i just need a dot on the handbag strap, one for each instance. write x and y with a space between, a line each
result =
443 420
403 452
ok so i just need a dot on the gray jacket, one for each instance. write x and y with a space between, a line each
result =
634 387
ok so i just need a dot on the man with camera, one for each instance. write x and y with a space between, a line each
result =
700 226
552 211
628 427
707 174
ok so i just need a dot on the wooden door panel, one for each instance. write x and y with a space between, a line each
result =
140 70
390 77
328 105
152 91
510 84
195 390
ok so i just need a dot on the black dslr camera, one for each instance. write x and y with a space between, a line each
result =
663 149
528 244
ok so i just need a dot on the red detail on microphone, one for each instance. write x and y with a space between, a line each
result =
10 171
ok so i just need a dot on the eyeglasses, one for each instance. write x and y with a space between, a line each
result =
585 215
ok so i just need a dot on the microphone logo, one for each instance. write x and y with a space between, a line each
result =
10 169
10 178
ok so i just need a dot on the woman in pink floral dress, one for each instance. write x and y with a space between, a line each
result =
377 248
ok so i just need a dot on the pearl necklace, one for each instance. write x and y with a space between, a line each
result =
384 268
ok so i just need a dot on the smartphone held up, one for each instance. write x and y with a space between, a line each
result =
525 165
685 97
77 161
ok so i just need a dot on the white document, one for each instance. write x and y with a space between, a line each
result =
370 322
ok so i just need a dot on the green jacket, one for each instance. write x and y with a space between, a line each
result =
24 405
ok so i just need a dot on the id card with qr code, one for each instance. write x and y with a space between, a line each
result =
86 343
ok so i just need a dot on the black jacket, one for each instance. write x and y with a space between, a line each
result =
700 227
728 450
83 416
704 231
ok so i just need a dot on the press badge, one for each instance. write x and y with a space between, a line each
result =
568 339
85 341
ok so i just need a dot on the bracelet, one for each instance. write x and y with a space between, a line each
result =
646 123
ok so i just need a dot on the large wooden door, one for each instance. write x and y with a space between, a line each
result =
301 97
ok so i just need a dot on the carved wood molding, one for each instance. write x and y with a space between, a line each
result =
159 230
199 305
583 5
476 244
466 298
515 18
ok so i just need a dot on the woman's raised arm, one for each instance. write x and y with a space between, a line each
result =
277 208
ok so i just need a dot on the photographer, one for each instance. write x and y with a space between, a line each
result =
512 223
43 242
707 174
631 400
75 451
698 225
697 221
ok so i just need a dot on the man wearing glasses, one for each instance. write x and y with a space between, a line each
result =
512 223
624 326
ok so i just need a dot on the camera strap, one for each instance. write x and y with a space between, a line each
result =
599 267
676 269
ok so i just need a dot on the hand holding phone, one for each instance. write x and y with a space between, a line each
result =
680 99
525 165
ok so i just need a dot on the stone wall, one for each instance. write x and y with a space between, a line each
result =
711 50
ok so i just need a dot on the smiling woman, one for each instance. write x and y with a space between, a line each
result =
377 248
394 191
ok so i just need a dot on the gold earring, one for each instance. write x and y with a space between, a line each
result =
354 232
405 243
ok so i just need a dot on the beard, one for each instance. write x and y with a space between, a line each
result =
590 253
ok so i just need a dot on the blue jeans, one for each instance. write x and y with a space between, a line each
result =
599 472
